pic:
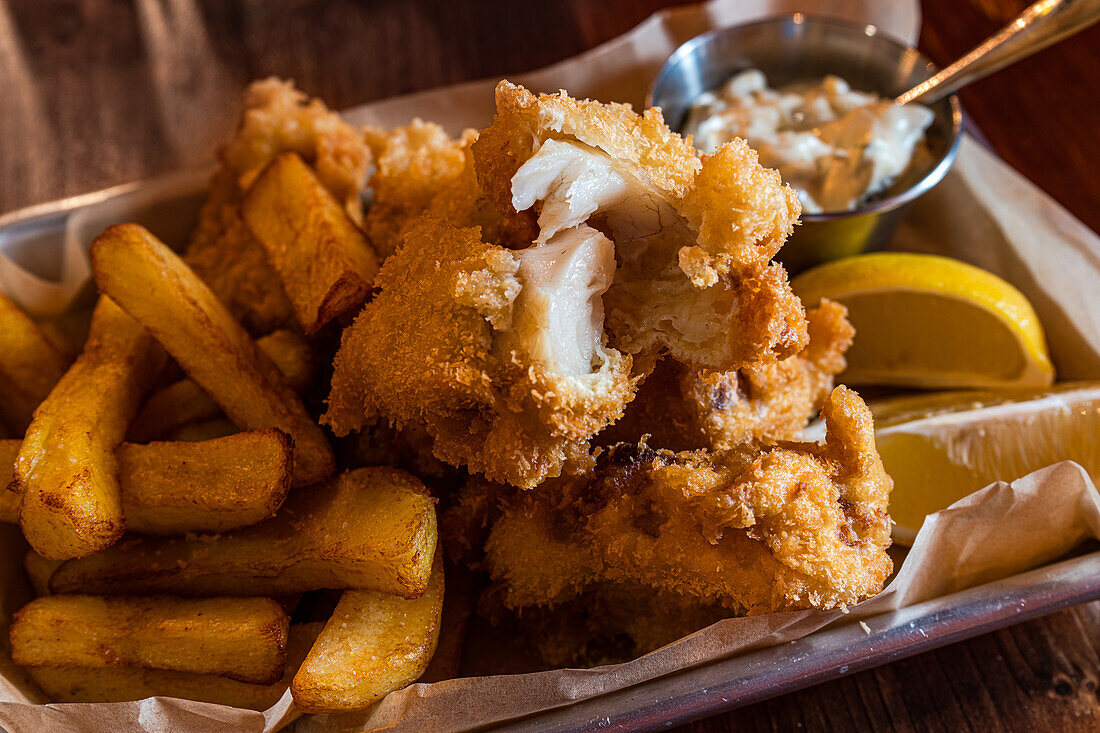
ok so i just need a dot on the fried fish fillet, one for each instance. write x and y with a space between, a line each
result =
681 409
513 338
277 118
693 238
497 355
412 165
754 529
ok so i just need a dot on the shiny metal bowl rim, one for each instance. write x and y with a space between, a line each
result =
889 203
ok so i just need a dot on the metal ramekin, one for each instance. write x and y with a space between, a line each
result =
797 48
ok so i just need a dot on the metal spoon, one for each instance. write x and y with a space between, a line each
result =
1040 25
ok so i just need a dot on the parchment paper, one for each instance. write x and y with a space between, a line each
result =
984 212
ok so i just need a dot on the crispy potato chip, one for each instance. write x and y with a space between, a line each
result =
323 260
372 528
373 644
66 468
179 487
121 684
185 402
240 638
30 365
154 285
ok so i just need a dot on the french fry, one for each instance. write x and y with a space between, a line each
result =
185 402
30 366
39 570
66 468
122 684
240 638
153 285
373 644
208 486
323 260
372 528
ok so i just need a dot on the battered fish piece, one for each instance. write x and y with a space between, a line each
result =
692 237
413 164
754 529
515 340
277 118
498 354
681 409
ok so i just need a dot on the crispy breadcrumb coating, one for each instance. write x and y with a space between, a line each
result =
489 330
755 529
412 165
442 346
277 118
682 409
693 237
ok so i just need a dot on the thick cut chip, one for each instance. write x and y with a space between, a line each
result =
30 365
121 684
323 260
207 486
179 487
155 286
240 638
276 118
66 469
373 644
185 402
372 528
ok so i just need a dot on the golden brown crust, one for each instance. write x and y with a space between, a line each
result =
643 143
683 409
756 529
433 349
413 164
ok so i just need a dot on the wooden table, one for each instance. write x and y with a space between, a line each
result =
98 92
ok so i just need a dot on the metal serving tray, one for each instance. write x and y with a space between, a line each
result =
168 207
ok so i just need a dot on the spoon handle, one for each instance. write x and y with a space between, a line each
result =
1040 25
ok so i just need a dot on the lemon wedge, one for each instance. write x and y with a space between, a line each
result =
941 447
932 322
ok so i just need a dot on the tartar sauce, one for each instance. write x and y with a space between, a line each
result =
836 146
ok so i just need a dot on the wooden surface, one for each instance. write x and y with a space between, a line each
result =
98 92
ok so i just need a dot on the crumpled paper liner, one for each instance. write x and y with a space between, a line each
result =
984 212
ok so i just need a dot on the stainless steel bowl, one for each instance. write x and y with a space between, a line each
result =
802 48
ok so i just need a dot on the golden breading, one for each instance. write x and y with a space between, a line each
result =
756 529
438 347
681 409
692 236
412 165
462 203
277 118
642 143
741 212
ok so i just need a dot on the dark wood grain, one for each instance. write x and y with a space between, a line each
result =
98 92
